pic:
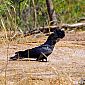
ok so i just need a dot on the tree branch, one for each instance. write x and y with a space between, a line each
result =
65 26
73 25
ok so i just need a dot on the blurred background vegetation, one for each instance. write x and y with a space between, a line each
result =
25 15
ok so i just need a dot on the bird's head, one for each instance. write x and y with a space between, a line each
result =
59 33
55 37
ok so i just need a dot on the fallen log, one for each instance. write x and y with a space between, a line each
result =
46 29
52 28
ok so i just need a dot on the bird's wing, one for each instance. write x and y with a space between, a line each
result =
42 49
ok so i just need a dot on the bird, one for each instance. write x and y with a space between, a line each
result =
43 51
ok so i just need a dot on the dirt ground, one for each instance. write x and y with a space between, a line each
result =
65 66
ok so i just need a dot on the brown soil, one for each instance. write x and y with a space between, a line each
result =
65 66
